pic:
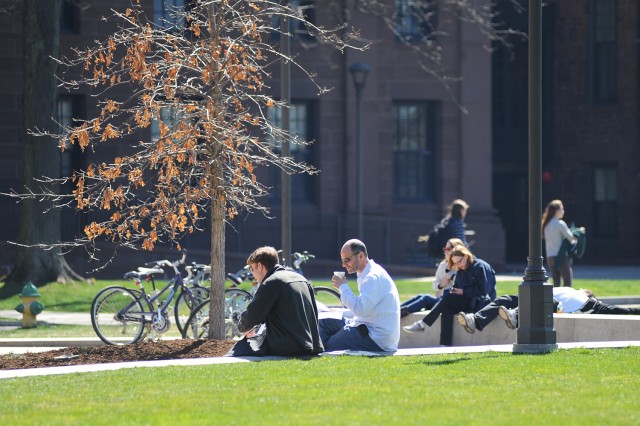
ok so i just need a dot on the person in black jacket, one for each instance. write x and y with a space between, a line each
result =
285 304
474 287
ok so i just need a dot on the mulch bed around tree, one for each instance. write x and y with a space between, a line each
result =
143 351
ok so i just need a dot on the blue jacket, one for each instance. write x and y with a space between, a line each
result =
478 283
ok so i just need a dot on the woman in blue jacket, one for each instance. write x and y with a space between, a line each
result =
474 287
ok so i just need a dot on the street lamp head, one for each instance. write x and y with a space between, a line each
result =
359 72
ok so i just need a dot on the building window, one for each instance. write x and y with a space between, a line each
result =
69 17
298 29
170 117
301 120
603 55
168 13
414 142
605 200
69 108
416 20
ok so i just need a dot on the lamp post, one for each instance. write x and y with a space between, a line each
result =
535 296
359 72
285 96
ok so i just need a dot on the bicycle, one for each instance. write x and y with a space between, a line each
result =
121 316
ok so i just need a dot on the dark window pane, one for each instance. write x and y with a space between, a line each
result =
413 150
604 50
605 199
301 127
69 17
416 20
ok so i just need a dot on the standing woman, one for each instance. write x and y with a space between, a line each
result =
554 232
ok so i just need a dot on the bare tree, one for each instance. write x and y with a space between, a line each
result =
201 76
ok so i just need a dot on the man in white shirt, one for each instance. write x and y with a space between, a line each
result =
373 320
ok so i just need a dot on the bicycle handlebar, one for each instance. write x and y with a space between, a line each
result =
169 264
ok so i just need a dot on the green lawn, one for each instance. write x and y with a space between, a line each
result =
77 296
576 387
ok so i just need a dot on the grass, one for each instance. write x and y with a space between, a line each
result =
77 296
576 387
48 331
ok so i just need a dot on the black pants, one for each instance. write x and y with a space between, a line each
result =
594 306
487 314
446 308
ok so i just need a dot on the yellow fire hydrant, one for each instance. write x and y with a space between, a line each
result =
30 306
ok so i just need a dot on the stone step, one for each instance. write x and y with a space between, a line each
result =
569 328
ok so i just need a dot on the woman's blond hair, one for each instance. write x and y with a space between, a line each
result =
459 251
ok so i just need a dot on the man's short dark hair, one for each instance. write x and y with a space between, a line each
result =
357 246
267 256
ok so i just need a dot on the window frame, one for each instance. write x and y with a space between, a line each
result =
603 65
605 224
407 27
303 186
425 152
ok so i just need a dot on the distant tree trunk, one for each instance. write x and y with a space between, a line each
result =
41 156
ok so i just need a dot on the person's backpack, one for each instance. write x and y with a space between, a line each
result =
438 238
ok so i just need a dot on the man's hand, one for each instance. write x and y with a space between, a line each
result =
337 282
250 333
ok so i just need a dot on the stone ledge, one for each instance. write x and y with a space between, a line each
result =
569 328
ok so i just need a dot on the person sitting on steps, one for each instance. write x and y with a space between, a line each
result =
474 287
442 281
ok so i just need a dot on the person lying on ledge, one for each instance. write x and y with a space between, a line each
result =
572 301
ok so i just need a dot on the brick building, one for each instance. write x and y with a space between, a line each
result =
591 138
421 149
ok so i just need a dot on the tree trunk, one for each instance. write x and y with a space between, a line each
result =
218 267
41 156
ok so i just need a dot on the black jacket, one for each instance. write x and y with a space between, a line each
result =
286 304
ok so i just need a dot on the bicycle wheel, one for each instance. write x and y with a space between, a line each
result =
188 299
117 315
328 296
236 301
197 325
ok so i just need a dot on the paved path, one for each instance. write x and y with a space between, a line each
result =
50 317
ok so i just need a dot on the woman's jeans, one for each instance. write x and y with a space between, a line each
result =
420 302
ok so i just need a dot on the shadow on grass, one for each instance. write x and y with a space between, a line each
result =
436 360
